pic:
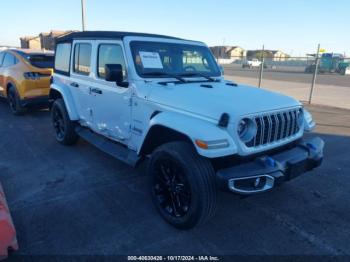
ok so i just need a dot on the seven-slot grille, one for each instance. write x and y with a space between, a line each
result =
275 127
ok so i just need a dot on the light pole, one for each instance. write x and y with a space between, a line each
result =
262 66
315 74
83 14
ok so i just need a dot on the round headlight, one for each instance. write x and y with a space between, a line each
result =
246 129
242 127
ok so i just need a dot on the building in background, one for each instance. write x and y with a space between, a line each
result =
31 42
44 40
47 40
272 55
235 52
228 52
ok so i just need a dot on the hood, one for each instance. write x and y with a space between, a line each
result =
221 98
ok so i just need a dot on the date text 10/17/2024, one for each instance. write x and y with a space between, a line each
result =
173 258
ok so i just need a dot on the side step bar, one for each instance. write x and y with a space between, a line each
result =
110 147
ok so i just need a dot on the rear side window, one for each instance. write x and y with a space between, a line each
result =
9 60
82 59
62 58
110 54
2 54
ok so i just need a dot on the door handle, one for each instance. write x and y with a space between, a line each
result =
74 84
96 91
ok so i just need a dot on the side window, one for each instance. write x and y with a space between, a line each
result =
9 60
2 54
62 58
82 59
110 54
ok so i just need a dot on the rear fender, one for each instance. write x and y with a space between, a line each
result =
67 98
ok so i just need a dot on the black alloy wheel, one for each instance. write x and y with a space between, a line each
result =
64 128
183 185
12 101
58 123
171 187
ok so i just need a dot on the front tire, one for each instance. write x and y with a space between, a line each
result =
63 126
14 102
183 185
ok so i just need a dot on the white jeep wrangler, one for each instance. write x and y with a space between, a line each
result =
142 96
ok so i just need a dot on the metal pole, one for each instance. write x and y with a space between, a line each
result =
262 66
315 74
83 14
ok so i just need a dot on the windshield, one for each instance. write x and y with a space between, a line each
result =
157 59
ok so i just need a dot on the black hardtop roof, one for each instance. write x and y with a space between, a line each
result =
106 35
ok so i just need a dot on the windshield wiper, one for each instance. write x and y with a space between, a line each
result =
157 73
211 79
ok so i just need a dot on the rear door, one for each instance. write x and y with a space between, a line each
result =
80 79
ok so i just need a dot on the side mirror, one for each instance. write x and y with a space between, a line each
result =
114 73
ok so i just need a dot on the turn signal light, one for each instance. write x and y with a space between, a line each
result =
213 144
201 144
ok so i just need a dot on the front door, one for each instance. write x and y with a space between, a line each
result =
80 80
111 103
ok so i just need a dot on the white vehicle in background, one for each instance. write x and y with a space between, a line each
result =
141 96
346 71
251 63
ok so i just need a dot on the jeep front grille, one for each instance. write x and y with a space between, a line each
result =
275 127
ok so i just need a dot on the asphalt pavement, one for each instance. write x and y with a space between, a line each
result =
290 76
78 200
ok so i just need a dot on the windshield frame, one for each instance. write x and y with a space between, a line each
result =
216 74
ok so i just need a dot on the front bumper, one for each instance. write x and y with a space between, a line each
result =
267 172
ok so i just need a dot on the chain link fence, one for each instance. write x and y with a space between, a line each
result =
320 79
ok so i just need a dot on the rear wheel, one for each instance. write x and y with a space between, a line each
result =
63 126
183 185
15 102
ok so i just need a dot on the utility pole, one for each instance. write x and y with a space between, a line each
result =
262 65
315 74
83 14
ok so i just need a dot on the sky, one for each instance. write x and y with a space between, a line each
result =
293 26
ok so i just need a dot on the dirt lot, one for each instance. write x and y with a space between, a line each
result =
78 200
